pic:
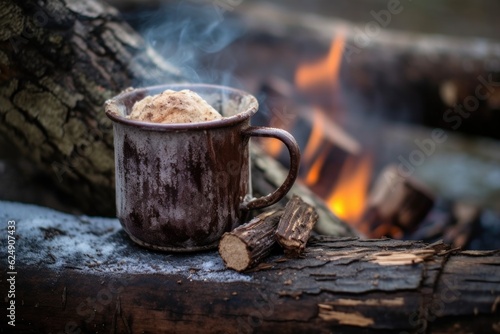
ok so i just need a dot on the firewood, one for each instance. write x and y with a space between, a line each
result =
325 144
295 226
248 244
396 205
465 219
433 60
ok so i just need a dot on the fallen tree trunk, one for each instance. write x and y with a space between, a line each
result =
59 61
81 274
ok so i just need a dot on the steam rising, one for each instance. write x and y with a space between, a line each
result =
190 34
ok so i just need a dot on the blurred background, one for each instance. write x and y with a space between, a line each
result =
395 104
362 85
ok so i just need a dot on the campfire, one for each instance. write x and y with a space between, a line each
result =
348 158
346 196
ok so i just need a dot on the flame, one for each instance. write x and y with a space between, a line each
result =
325 71
347 200
314 172
315 137
272 146
348 196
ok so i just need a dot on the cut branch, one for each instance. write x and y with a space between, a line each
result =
295 226
396 205
248 244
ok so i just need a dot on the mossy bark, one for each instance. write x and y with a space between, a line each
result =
59 61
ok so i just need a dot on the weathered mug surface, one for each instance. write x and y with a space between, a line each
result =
180 186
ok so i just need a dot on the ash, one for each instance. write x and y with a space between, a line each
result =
50 239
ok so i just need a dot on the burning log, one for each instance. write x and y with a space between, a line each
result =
396 205
295 226
248 244
432 64
268 174
326 146
465 218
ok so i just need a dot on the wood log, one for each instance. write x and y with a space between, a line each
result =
82 274
396 205
326 152
465 219
246 245
295 226
326 146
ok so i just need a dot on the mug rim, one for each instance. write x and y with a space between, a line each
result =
224 122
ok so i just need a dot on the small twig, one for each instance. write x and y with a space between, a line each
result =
295 226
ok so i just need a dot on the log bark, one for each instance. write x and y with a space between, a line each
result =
295 226
81 273
396 205
247 245
59 61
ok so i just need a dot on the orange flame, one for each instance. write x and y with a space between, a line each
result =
272 146
348 198
315 137
314 172
325 71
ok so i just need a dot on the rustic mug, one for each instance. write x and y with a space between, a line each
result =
180 186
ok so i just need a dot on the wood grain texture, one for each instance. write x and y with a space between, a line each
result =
248 244
295 226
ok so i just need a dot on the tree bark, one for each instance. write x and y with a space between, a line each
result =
59 61
80 273
295 226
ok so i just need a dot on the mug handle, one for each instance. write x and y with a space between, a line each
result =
293 150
